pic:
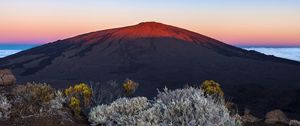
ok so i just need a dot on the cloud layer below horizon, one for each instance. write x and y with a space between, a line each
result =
288 53
4 53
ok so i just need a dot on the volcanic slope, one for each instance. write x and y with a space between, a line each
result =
159 55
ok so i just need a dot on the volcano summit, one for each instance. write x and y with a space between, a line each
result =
158 55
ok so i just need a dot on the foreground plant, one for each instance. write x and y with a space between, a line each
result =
37 101
5 107
78 97
188 106
130 86
31 99
104 93
213 88
35 93
58 101
118 111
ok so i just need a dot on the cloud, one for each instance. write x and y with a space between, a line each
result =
4 53
288 53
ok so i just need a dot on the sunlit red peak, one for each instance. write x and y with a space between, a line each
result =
153 29
141 30
152 24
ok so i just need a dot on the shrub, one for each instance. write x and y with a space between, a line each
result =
5 107
35 92
104 93
78 97
191 107
211 87
33 102
58 101
130 86
31 99
75 105
188 106
122 108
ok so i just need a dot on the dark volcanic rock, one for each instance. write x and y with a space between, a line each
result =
158 55
276 116
248 118
7 78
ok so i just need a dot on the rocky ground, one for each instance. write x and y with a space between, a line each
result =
42 121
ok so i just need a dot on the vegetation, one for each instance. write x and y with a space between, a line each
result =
130 86
120 112
187 106
32 101
213 88
34 93
105 93
58 101
104 104
5 107
78 97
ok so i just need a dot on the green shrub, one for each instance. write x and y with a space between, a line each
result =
213 88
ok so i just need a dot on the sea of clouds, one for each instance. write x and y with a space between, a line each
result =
292 53
4 53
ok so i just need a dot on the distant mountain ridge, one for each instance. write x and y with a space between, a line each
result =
159 55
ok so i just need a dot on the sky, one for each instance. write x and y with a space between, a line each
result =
237 22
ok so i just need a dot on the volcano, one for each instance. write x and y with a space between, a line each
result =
158 55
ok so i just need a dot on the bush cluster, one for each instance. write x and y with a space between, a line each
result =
122 108
32 103
78 97
188 106
31 99
35 93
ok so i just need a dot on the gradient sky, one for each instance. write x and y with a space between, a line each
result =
238 22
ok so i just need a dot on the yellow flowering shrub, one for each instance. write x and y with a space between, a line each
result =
75 105
211 87
79 96
130 86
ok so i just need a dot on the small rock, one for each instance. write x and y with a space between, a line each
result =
294 123
248 118
7 78
276 116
